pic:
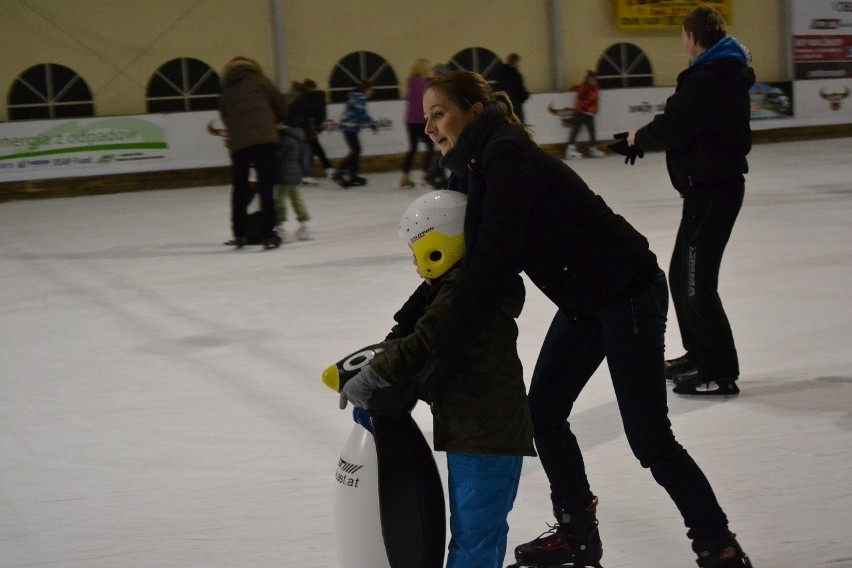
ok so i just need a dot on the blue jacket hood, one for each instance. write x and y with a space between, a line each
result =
726 48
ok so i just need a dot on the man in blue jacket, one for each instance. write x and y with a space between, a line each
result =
706 134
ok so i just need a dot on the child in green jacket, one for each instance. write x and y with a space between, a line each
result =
481 417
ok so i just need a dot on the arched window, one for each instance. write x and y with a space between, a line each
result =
182 85
624 65
49 91
478 60
361 66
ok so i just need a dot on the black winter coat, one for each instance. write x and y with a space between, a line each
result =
705 128
528 211
288 156
308 112
483 406
509 79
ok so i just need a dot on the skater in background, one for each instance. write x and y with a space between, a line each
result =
706 134
315 109
415 122
289 177
585 109
355 117
482 420
297 117
250 105
528 210
509 79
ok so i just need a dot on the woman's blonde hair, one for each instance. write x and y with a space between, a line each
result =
421 68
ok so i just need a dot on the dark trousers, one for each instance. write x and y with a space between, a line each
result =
630 336
580 120
706 223
263 158
352 160
417 134
318 151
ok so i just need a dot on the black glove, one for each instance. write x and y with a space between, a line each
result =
374 128
630 153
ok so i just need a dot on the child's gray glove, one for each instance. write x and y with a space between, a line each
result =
359 389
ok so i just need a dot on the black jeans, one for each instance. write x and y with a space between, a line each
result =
417 134
580 120
262 157
708 217
352 161
630 335
318 151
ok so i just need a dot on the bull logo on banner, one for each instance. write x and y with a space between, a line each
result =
834 98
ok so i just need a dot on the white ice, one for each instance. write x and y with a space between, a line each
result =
161 402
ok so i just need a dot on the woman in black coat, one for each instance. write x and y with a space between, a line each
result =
528 211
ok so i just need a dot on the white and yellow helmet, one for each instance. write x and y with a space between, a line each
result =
433 227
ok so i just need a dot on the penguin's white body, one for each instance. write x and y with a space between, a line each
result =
357 522
389 502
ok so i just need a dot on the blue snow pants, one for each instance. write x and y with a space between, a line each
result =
482 491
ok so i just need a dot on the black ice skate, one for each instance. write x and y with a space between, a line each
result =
675 368
342 179
698 387
723 553
272 241
573 541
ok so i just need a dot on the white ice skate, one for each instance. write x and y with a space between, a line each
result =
571 152
303 233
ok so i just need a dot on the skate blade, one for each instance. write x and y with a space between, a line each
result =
566 565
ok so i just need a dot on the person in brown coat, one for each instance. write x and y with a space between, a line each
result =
250 105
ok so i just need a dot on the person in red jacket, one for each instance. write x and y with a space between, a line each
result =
585 109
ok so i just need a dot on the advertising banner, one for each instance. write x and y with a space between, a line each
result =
662 14
44 149
61 148
822 39
54 146
771 100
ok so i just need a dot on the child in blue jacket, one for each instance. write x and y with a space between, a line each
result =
354 118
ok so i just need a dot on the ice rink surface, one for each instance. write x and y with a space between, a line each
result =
161 403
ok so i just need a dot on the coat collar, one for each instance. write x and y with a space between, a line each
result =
467 153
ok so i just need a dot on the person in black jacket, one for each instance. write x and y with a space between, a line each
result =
315 109
706 135
528 211
509 79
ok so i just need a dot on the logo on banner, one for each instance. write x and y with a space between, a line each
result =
85 143
834 98
825 24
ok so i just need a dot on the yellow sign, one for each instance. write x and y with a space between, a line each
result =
663 14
